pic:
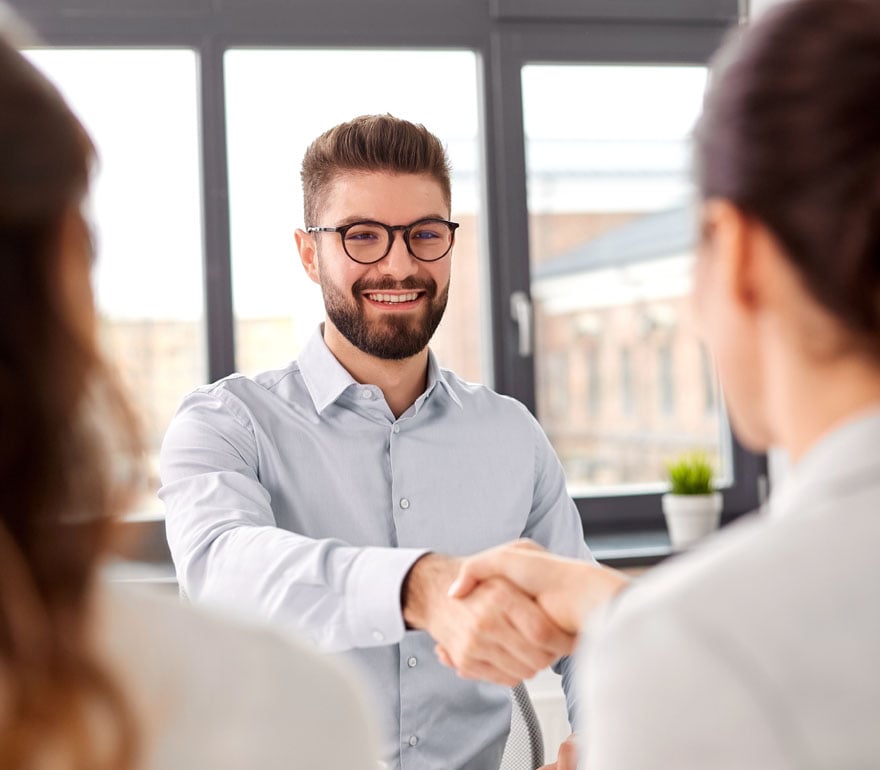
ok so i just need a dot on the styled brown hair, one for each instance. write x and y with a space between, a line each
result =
790 133
371 143
69 452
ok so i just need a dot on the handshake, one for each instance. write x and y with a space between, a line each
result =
506 613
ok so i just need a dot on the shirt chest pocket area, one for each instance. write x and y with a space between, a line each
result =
464 514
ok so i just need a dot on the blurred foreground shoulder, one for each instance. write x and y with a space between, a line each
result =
217 694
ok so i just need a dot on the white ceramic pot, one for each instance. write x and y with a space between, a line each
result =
690 517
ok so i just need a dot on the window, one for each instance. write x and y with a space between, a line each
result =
594 381
627 399
709 380
611 237
557 383
146 202
666 380
276 306
567 125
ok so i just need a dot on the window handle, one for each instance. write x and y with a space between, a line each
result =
521 313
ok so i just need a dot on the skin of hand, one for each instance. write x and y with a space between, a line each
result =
567 757
566 589
497 633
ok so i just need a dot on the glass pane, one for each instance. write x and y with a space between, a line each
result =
623 383
301 94
141 109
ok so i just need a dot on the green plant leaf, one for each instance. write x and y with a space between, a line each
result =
691 474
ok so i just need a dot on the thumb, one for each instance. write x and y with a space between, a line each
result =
465 582
508 560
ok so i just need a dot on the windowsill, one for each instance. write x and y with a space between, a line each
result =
631 549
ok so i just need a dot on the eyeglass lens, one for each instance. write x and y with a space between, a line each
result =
367 242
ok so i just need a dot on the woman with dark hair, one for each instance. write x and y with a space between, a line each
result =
91 678
760 649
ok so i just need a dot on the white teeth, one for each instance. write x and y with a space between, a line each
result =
394 298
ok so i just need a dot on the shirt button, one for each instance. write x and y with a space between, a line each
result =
413 740
366 394
396 429
378 635
404 503
412 661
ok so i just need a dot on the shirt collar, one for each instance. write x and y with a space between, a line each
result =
326 379
436 376
843 456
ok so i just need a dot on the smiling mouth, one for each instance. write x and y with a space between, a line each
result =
384 298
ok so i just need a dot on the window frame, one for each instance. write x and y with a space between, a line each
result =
505 35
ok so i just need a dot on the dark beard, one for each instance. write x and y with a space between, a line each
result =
394 338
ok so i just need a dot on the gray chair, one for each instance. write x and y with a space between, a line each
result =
525 744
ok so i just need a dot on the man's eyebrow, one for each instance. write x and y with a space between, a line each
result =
350 220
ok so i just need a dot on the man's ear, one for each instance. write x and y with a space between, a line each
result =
307 245
732 238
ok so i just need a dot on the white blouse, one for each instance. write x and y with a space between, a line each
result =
761 649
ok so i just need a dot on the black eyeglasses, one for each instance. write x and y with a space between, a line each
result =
367 242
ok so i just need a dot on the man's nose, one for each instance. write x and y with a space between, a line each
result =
399 263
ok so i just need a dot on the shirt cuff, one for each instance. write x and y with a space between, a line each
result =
373 586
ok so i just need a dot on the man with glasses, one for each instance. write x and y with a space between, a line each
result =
334 496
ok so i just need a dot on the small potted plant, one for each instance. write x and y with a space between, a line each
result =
692 507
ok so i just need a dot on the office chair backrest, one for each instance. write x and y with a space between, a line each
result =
525 744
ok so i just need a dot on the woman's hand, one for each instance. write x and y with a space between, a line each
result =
566 589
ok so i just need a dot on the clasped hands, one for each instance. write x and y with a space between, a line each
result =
506 613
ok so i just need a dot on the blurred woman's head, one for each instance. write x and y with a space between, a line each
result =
68 448
788 166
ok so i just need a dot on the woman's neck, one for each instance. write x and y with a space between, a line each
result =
810 398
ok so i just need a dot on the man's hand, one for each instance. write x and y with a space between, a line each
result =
567 757
566 589
497 633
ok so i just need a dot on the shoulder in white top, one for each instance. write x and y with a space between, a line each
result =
213 694
759 649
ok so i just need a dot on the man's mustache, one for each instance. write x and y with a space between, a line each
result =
429 286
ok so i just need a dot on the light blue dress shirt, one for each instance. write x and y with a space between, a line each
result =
298 496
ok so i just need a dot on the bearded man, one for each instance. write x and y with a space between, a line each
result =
335 496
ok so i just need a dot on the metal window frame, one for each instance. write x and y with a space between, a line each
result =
505 35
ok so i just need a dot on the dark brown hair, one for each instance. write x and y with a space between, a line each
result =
791 134
371 143
68 451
